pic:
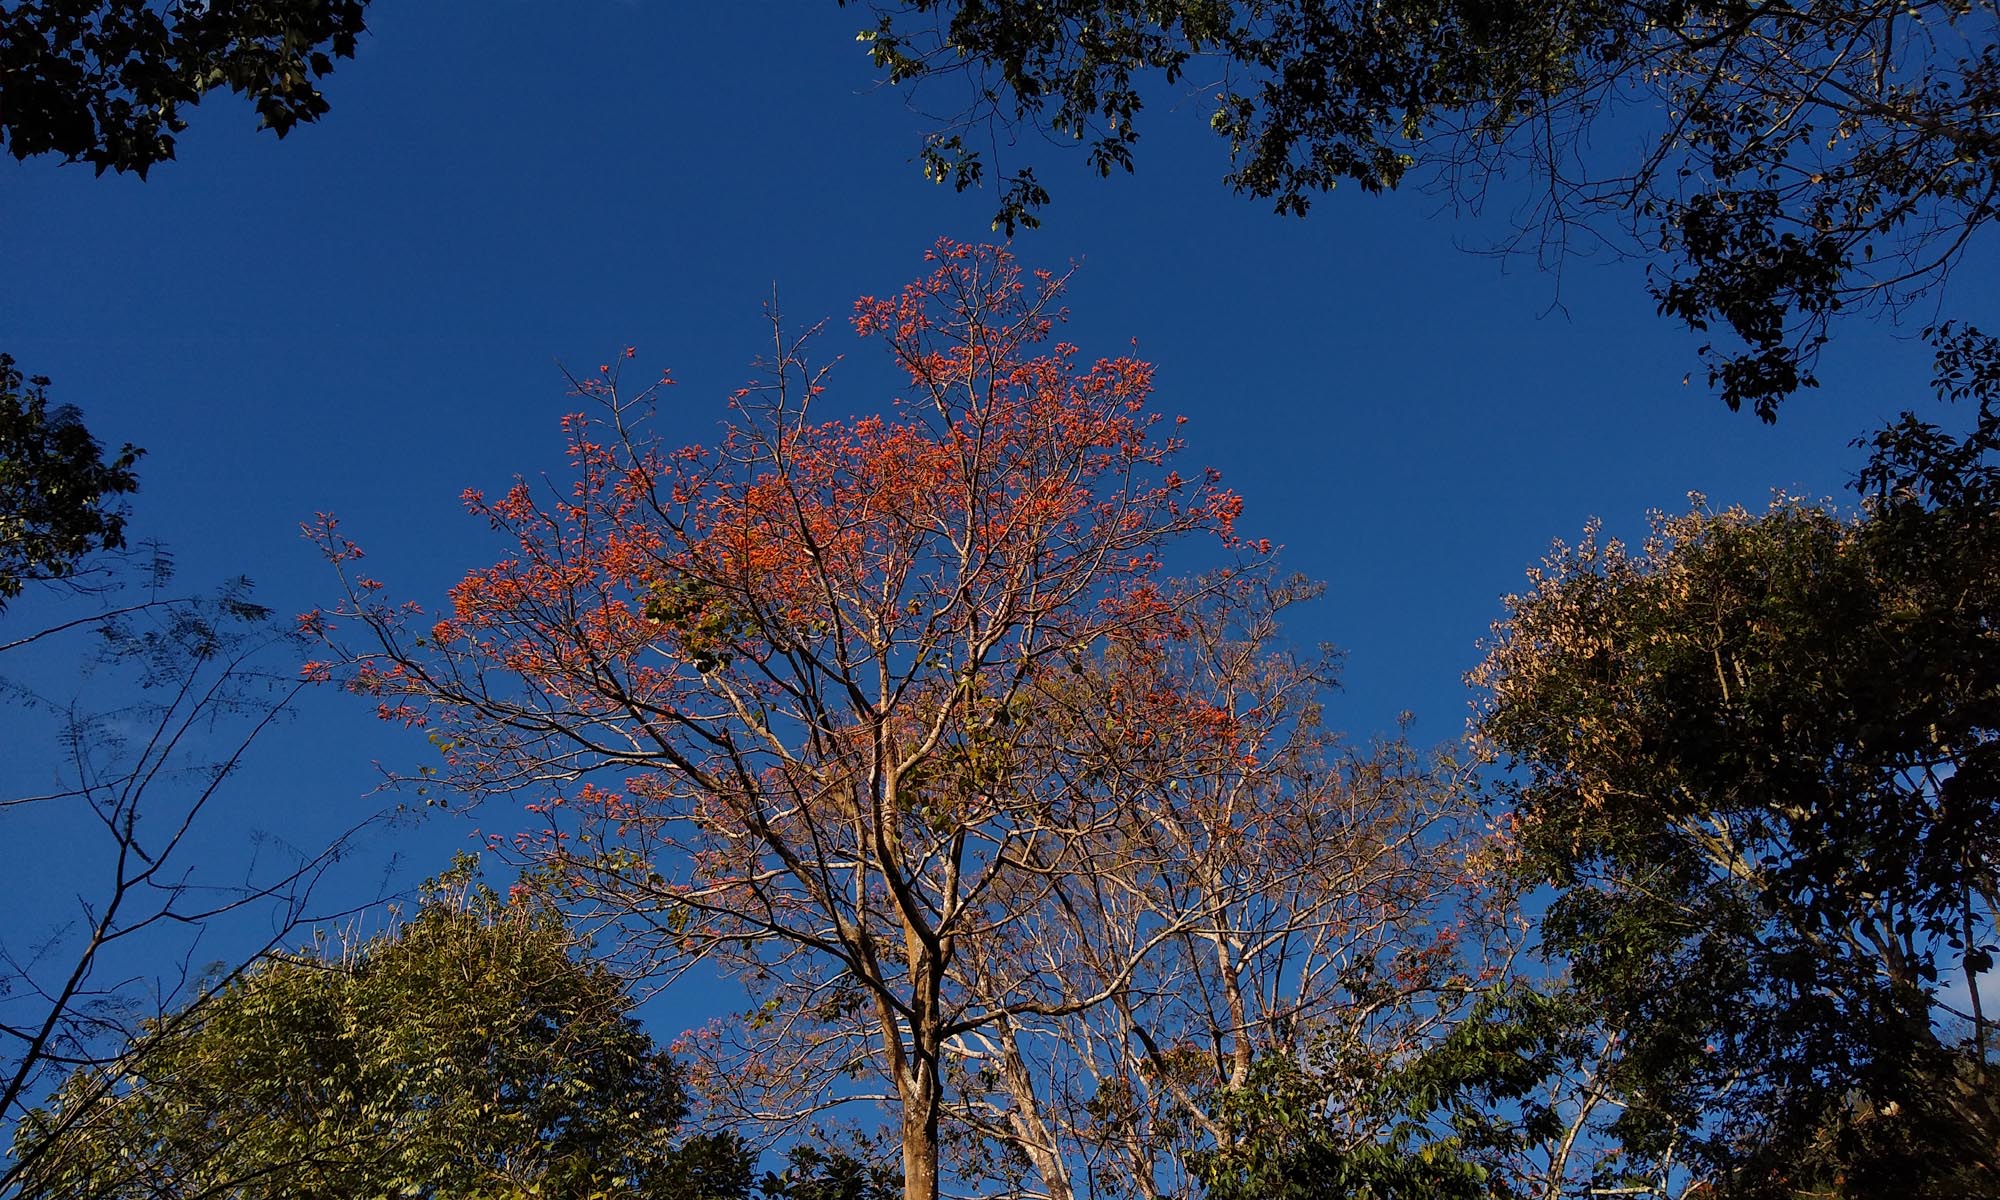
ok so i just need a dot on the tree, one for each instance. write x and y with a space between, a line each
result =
1326 895
1517 1097
1341 912
464 1052
1293 1129
1757 763
779 701
57 493
1797 160
104 81
134 765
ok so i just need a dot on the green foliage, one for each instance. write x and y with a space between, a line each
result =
812 1173
1314 101
1487 1080
1791 161
56 489
1914 462
1285 1143
1757 762
1507 1102
104 81
463 1054
702 616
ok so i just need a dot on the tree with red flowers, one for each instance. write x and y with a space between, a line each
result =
1318 896
867 711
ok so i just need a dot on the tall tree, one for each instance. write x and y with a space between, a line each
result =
781 698
1317 888
1757 763
1793 160
104 82
464 1052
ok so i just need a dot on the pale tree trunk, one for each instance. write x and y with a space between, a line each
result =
913 1066
922 1094
1032 1134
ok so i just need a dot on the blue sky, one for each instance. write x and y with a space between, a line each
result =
365 318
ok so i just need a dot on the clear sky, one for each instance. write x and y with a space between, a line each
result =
365 318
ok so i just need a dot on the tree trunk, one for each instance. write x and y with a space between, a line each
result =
1032 1134
922 1096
